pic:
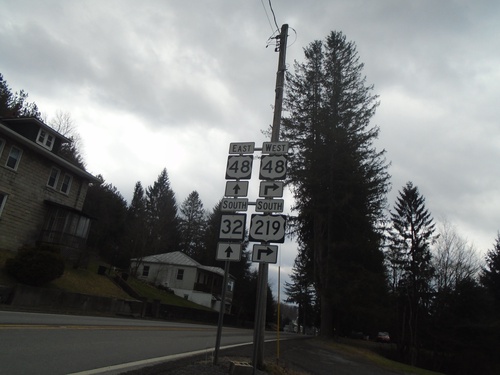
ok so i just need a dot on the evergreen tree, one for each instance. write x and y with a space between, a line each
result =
490 275
192 225
15 104
411 236
211 237
162 219
136 224
105 203
301 290
339 179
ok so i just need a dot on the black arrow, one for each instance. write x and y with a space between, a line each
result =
267 250
236 188
267 187
228 252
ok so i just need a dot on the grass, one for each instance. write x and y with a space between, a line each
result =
88 281
358 349
150 292
361 349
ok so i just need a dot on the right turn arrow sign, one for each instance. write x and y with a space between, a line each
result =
265 253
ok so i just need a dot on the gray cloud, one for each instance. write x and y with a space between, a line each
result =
171 84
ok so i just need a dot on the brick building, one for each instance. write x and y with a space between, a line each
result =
41 194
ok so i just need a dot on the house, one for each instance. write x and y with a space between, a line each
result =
186 278
41 194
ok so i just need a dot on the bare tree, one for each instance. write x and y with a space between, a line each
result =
64 124
454 259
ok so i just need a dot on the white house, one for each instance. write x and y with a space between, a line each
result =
186 278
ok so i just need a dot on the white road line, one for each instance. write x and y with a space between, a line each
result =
118 368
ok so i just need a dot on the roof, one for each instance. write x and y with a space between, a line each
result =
46 153
31 120
180 259
176 257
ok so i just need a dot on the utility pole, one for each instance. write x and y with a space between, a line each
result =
260 321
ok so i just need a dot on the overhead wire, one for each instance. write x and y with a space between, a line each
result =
274 15
275 37
267 15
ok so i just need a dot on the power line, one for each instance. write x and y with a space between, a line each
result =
274 15
267 15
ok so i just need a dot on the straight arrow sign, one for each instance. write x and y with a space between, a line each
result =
227 251
265 254
236 189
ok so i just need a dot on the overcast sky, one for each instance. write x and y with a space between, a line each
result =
169 84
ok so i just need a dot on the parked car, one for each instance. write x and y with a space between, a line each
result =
383 337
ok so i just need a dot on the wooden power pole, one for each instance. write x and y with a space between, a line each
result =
260 321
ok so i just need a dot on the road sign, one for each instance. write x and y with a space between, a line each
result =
265 253
236 189
232 227
270 189
269 205
275 148
242 148
272 167
234 204
267 228
230 252
239 167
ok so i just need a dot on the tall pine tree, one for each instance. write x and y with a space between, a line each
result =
105 203
409 256
136 225
192 225
162 219
339 179
301 290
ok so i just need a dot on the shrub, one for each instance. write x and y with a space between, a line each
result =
36 266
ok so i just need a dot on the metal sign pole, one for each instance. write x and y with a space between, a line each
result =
221 312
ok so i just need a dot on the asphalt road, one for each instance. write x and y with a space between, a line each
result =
51 344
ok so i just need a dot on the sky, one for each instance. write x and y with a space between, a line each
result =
170 84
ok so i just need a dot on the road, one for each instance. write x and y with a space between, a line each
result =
43 344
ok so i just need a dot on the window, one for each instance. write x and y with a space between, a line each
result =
230 286
66 184
3 199
45 139
180 274
145 271
2 143
14 158
54 176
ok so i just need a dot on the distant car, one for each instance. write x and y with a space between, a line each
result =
383 337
